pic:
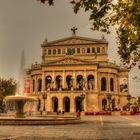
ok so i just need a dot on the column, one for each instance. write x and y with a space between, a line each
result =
60 102
43 82
48 106
36 85
63 79
31 85
72 104
108 82
74 79
96 82
85 78
53 79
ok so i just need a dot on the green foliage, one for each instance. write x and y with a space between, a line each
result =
7 87
123 14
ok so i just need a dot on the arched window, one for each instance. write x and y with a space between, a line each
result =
80 82
103 84
48 82
39 84
111 84
69 81
90 82
59 82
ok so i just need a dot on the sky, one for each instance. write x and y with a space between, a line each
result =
25 24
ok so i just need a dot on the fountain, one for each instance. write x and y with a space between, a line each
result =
18 102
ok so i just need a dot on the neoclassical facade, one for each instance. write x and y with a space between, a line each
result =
76 67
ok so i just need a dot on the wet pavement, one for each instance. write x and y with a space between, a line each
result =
94 128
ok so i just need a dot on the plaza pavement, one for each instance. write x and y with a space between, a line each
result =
94 128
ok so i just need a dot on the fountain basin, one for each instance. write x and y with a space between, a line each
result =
45 120
18 102
19 97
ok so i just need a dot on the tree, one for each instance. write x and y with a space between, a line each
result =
123 14
7 87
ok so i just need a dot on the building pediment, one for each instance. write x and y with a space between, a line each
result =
68 61
72 40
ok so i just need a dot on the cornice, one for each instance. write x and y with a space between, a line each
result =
90 41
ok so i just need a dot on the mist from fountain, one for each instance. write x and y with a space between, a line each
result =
19 100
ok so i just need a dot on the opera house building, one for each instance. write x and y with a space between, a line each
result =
75 74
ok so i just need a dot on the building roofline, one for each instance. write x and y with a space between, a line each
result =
52 43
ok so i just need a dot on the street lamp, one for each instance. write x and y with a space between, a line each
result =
129 98
44 96
109 96
82 97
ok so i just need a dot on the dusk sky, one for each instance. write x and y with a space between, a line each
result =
24 24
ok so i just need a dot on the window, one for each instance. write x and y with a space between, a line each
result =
78 50
83 50
93 50
103 50
98 50
111 84
73 50
103 84
39 84
59 51
88 50
69 51
54 51
49 51
64 51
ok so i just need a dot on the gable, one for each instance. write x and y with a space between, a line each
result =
68 61
73 40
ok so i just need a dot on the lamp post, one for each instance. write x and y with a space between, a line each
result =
109 96
44 96
129 98
82 96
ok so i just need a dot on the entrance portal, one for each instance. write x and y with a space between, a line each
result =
55 104
78 104
66 103
104 104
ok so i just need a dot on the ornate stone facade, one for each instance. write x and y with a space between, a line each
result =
75 74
